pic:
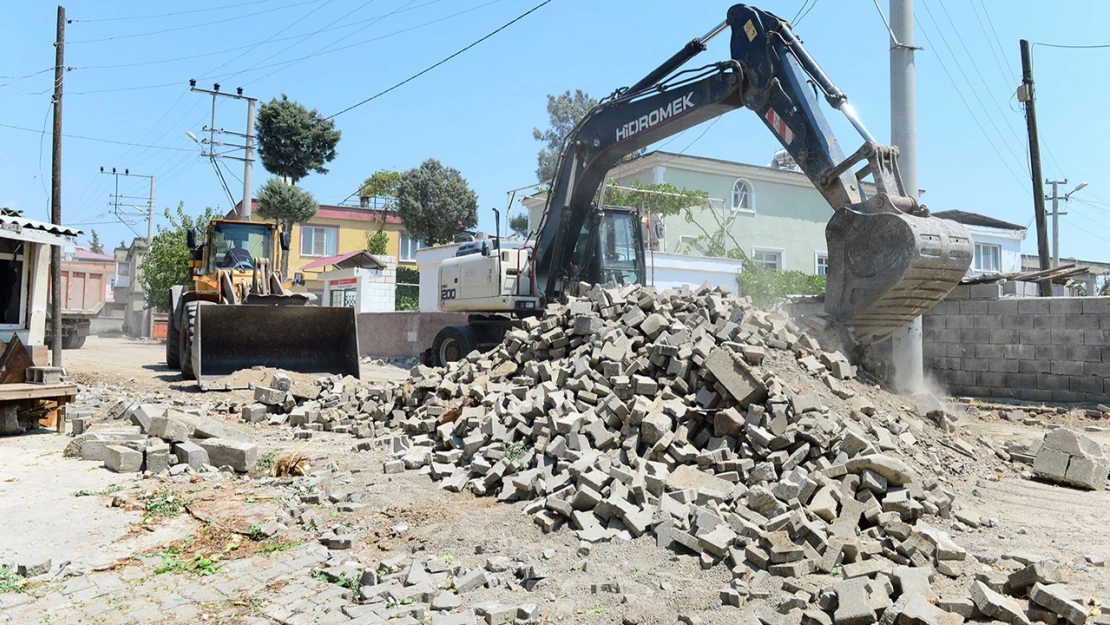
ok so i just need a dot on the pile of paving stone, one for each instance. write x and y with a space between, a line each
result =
630 412
129 437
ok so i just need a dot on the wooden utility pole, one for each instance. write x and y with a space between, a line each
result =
1025 94
56 193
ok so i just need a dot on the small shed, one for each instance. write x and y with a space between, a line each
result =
28 389
359 280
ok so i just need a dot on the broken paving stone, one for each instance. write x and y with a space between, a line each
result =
240 456
997 606
1043 572
896 472
853 607
1058 599
33 568
1072 459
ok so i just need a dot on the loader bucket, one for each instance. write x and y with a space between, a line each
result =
304 339
885 269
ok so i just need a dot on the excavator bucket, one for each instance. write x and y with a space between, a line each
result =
304 339
885 269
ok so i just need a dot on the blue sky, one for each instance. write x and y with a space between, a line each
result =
476 112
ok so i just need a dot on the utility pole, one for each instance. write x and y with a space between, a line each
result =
247 147
1026 94
56 193
116 203
908 353
1056 219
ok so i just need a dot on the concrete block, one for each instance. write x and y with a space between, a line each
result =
122 459
156 456
33 568
735 376
1058 599
1051 464
269 396
853 607
1081 322
997 606
170 428
281 382
239 455
191 454
1065 305
210 428
254 413
1087 473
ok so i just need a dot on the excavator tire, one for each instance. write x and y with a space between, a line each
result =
886 269
453 343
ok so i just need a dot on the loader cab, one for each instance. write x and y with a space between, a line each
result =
236 245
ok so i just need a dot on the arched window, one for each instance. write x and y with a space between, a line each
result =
743 196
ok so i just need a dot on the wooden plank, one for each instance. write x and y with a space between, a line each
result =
13 392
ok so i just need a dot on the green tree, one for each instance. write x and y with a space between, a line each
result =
166 263
294 141
94 243
435 202
382 184
519 224
286 205
564 112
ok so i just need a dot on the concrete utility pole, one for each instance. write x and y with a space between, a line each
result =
247 147
1026 94
116 204
1056 197
908 354
56 193
1056 219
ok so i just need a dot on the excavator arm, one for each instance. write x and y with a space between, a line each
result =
888 260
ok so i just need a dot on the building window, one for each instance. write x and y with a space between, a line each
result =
988 257
768 259
743 196
319 241
822 264
409 245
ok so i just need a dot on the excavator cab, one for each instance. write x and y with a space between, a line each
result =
610 248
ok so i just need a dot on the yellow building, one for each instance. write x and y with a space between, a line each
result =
338 230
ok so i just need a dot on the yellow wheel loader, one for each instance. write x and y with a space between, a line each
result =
237 313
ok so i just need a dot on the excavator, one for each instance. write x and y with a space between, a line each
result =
889 261
237 313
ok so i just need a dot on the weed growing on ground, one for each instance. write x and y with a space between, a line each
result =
94 493
199 564
164 503
280 545
266 461
10 581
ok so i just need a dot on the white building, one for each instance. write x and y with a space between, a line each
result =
997 243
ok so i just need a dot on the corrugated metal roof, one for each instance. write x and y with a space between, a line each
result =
9 218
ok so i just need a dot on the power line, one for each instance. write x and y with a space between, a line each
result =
287 27
271 39
1071 47
974 92
801 9
324 49
145 17
98 139
970 111
997 51
803 16
431 67
191 26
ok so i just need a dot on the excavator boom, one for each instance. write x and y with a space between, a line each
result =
889 261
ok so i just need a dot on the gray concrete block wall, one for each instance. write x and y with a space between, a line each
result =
982 344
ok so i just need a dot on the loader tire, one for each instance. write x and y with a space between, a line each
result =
453 343
188 324
173 344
